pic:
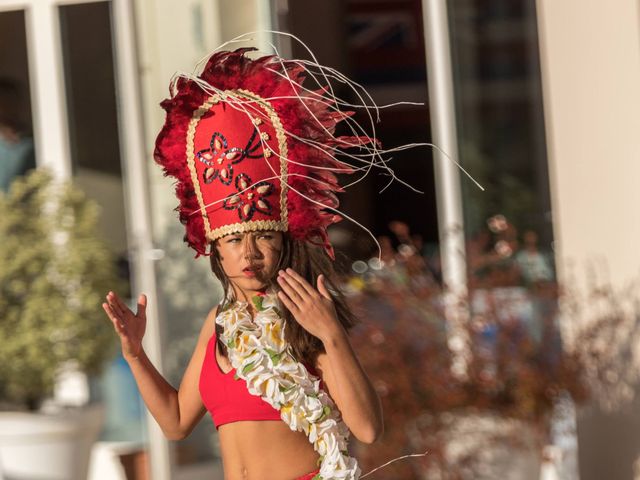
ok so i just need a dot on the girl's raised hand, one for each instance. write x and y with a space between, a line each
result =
129 327
312 308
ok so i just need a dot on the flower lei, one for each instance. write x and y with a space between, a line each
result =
262 357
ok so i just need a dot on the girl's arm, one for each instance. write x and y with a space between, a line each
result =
344 377
176 411
350 388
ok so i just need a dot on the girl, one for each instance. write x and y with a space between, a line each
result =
253 153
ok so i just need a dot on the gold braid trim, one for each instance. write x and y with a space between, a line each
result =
191 156
251 226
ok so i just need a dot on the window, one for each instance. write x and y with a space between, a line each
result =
17 154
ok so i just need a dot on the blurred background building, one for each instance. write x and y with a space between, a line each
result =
546 97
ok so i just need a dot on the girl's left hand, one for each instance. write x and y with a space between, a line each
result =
313 309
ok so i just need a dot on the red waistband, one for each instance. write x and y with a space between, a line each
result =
308 476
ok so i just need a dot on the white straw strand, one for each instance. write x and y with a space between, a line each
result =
333 74
369 155
411 455
239 104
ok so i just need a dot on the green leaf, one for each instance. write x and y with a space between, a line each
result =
274 356
231 343
317 477
247 368
257 302
326 410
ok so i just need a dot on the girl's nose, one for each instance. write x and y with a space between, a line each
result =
251 250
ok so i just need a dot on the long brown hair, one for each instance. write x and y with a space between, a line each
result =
309 261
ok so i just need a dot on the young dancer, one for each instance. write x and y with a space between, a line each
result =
253 152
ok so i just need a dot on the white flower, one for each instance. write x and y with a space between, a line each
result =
270 302
321 429
312 408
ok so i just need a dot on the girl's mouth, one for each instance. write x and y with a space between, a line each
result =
251 272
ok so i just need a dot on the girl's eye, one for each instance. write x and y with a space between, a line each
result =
266 236
233 240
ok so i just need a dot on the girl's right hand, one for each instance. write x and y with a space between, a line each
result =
129 327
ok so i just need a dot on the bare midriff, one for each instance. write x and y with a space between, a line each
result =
265 450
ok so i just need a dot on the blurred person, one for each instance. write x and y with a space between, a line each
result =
479 251
16 145
401 231
273 363
406 246
411 257
490 255
387 252
431 254
506 235
482 258
535 266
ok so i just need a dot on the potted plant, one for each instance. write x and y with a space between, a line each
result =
54 271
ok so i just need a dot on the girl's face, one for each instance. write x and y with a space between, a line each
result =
249 260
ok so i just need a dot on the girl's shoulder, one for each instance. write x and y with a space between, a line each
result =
209 325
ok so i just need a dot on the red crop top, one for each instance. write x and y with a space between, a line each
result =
226 398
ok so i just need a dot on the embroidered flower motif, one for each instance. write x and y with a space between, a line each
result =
262 358
249 198
220 159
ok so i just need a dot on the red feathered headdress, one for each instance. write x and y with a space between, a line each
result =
252 149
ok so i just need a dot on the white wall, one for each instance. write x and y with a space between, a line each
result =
590 59
590 55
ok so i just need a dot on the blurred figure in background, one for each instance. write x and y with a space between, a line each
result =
16 144
490 255
535 266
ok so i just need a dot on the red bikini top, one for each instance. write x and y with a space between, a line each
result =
226 398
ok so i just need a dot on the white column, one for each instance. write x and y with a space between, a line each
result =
591 91
280 10
264 21
138 209
50 123
448 196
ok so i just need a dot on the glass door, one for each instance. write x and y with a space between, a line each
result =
17 150
501 142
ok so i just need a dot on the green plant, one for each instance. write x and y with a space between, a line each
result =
54 271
